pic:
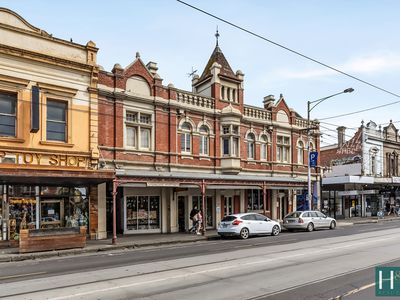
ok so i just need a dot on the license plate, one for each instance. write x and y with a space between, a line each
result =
224 225
291 221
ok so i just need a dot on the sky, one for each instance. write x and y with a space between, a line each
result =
359 37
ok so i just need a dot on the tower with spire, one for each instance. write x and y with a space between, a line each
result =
219 81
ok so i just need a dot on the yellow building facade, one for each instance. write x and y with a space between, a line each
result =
49 176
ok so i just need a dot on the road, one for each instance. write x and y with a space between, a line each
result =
318 265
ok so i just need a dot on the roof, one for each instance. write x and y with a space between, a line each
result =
218 57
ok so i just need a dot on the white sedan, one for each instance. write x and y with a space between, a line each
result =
247 224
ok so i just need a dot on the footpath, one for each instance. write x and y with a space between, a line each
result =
147 240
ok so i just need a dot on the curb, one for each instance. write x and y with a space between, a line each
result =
59 253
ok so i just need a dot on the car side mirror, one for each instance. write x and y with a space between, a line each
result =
325 216
267 220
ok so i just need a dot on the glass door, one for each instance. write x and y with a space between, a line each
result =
228 205
197 201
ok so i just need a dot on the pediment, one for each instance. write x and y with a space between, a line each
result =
12 19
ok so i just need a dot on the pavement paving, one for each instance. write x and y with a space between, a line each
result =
146 240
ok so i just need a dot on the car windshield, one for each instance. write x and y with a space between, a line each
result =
295 214
228 218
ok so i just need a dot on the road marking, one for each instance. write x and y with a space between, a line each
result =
185 275
21 275
355 291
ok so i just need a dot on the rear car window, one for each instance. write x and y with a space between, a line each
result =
295 214
228 218
306 215
313 214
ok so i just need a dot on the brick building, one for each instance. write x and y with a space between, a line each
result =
361 174
174 149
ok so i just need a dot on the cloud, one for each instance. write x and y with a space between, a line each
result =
369 64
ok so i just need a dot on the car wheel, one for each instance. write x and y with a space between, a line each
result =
275 230
310 227
244 233
333 225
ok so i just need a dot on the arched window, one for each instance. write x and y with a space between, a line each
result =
263 147
186 138
222 92
300 153
250 145
204 132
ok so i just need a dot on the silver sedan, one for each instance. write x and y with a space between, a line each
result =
308 220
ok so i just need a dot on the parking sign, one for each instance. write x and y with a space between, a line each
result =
313 159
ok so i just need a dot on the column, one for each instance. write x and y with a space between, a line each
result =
37 216
101 212
274 204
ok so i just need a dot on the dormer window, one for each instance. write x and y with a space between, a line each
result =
229 94
234 95
222 92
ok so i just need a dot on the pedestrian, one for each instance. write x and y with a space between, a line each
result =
193 213
391 209
199 225
387 207
193 218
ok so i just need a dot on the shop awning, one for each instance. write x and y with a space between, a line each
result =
24 175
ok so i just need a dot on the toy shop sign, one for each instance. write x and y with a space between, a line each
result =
44 159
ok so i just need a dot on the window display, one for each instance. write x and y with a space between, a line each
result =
22 209
142 212
255 200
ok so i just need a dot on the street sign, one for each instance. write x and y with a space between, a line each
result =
313 159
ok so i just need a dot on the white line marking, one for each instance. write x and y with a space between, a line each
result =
21 275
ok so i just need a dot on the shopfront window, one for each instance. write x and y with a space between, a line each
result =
63 207
22 209
255 200
142 212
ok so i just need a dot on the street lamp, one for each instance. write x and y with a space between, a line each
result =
309 109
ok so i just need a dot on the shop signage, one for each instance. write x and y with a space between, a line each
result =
44 159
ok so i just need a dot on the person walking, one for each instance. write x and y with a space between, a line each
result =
199 224
193 218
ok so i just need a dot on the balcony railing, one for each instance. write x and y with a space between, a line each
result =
195 100
257 113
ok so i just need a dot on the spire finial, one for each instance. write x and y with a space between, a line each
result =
217 35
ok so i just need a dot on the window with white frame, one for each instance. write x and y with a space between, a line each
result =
230 140
8 114
186 138
204 140
283 148
300 152
138 130
251 143
56 122
263 147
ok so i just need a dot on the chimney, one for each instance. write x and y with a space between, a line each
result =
152 66
268 101
341 136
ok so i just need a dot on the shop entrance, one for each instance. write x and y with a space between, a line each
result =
227 206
